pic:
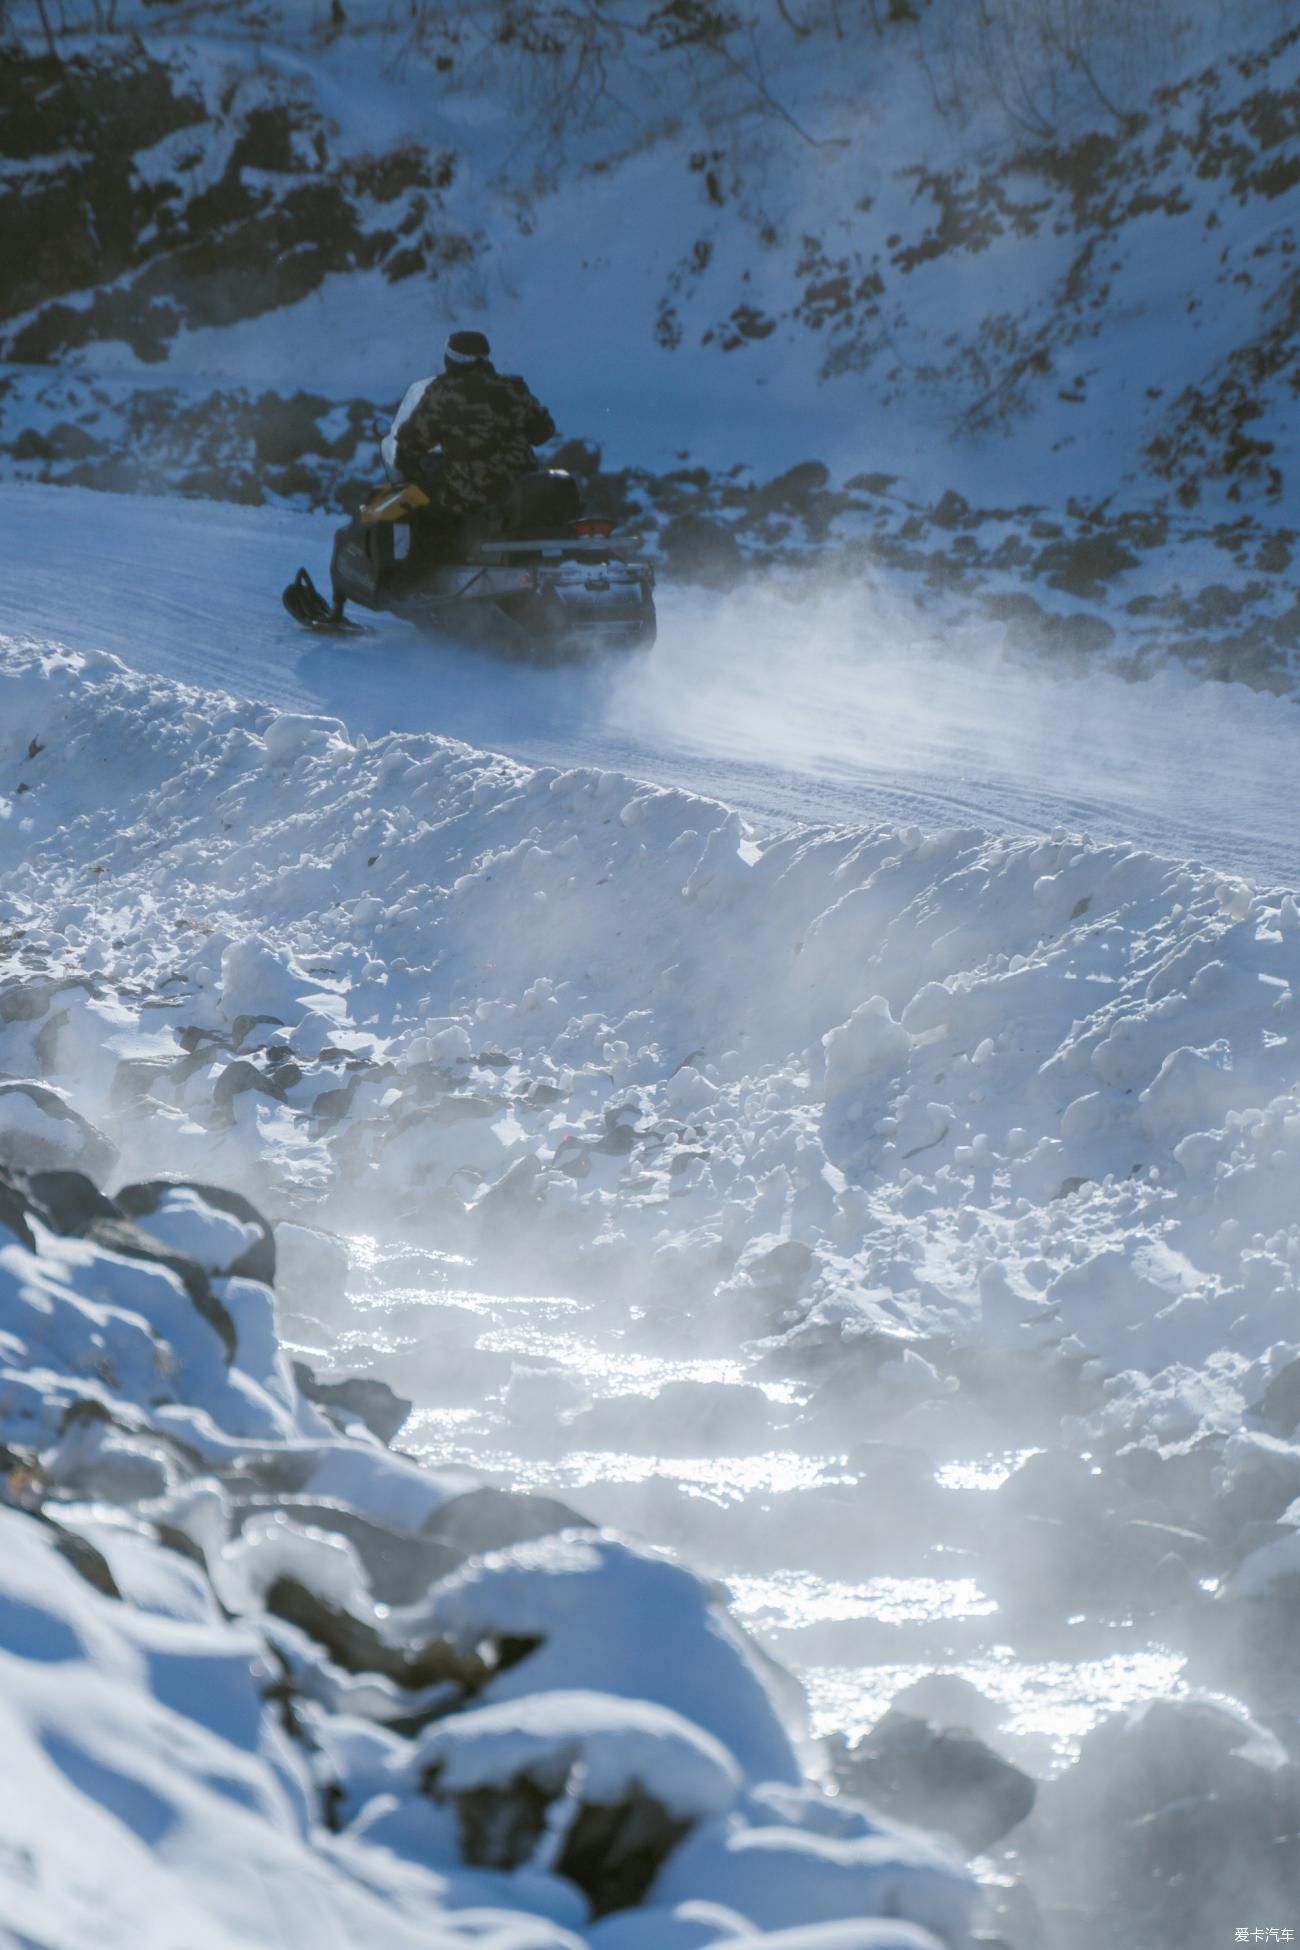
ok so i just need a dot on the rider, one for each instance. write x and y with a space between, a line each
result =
484 422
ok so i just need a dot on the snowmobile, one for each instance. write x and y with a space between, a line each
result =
533 577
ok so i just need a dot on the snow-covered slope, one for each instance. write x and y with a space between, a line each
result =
790 1139
944 1135
1003 320
831 707
808 1015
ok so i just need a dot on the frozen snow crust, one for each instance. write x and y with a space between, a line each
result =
937 1128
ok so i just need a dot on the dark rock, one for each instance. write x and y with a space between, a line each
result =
70 1203
618 1140
613 1853
780 1272
1083 565
943 1778
31 445
47 1042
699 548
243 1026
88 1562
515 1191
1279 1407
1262 1484
286 429
195 1041
1177 1821
72 442
501 1826
357 1647
235 1079
580 458
794 490
14 1210
1041 632
491 1520
851 1396
950 510
25 1001
121 1236
331 1105
364 1397
135 1077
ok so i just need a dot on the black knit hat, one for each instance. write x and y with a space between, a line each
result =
463 348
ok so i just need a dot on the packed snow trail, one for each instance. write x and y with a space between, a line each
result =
826 712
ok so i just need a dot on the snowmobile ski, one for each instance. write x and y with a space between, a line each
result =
307 606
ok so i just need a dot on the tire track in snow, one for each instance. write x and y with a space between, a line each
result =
791 716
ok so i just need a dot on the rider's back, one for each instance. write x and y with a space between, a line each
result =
486 424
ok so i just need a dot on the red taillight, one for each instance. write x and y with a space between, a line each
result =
592 525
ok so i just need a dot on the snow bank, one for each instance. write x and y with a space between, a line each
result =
1061 1078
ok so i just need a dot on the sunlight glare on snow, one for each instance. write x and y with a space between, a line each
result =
1052 1703
985 1473
786 1600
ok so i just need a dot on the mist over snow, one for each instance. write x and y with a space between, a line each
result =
844 1167
652 1303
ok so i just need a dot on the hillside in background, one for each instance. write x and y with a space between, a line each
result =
997 302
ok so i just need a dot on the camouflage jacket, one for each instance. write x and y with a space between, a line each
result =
485 422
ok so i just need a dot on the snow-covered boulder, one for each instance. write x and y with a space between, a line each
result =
1180 1816
221 1231
41 1131
613 1784
612 1617
785 1876
941 1777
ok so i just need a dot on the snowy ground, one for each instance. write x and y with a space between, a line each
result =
774 1195
822 1100
826 710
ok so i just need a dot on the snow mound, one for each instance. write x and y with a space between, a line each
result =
617 1744
633 1625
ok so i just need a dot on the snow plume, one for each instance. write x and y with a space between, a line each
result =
839 701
